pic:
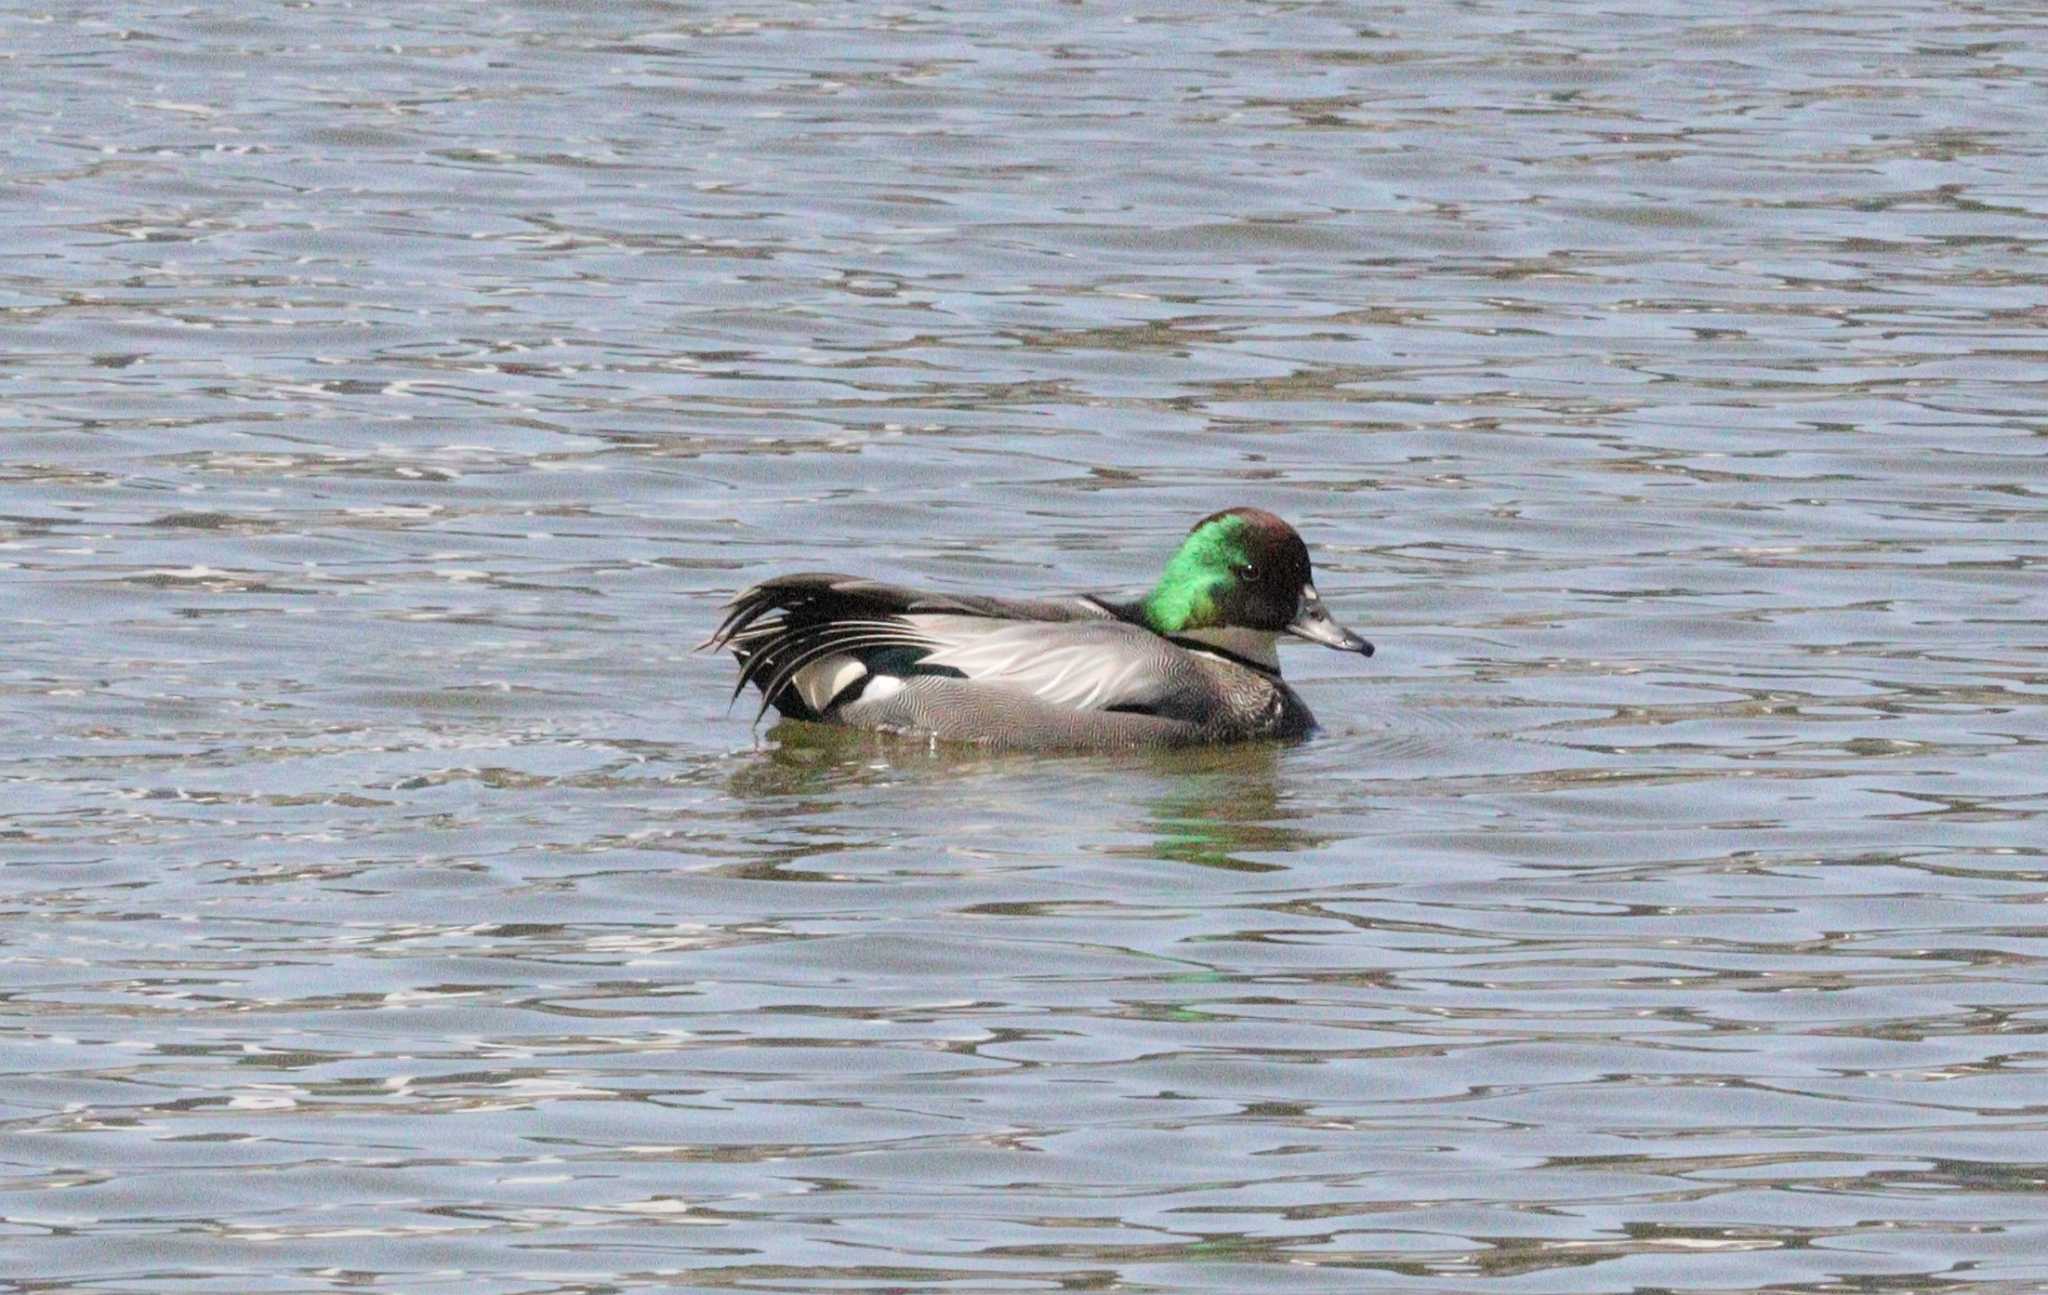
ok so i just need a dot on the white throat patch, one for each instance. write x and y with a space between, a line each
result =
1257 646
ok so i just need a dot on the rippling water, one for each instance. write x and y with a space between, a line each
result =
392 394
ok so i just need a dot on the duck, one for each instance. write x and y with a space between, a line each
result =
1192 662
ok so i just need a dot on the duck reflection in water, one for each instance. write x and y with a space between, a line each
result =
1213 807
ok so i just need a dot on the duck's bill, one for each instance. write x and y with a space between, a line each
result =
1312 622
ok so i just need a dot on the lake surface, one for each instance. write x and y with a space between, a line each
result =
393 393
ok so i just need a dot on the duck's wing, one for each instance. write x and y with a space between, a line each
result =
1081 665
810 641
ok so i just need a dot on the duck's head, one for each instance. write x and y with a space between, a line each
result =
1244 569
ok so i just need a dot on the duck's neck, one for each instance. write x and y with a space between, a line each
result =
1256 647
1176 610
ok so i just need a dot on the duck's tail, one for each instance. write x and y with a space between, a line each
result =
780 626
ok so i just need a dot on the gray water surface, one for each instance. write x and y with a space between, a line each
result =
392 393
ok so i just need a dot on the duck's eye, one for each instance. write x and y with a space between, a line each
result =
1246 571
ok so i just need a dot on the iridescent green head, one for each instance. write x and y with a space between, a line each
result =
1246 569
